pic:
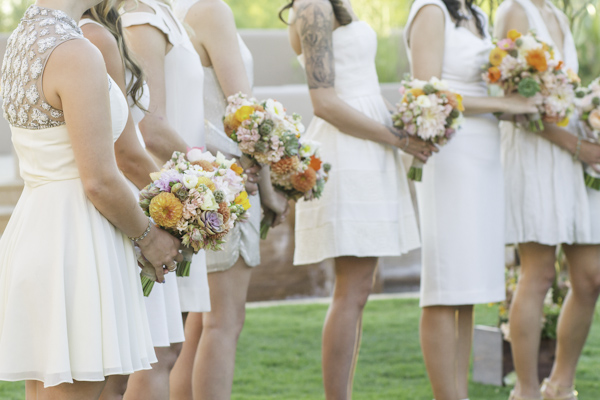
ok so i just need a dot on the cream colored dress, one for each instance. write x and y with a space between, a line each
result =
244 239
184 80
71 303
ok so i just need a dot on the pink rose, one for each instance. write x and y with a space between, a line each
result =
506 44
594 119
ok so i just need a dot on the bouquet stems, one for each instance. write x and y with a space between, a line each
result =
183 267
415 172
266 223
535 122
591 181
148 277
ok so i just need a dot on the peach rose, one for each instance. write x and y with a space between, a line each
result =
594 119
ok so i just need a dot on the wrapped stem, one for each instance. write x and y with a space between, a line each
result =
415 172
266 223
535 122
184 267
148 273
592 180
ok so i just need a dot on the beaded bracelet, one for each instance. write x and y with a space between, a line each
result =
577 150
143 235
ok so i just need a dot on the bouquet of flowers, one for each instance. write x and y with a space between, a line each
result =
588 105
525 64
197 198
430 111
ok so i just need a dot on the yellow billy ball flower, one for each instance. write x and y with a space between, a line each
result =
166 210
204 180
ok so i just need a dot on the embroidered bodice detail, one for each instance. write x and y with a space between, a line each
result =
40 31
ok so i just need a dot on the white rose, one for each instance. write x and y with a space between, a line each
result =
423 101
418 84
275 109
209 203
438 84
529 43
197 154
190 181
222 160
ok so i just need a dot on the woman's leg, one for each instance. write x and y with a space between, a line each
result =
215 357
536 277
577 312
181 375
439 345
154 384
115 387
464 343
78 390
342 329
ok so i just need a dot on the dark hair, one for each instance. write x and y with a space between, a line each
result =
453 7
106 14
339 10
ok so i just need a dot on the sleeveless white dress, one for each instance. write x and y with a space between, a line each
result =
71 303
366 209
162 305
184 85
547 201
461 198
244 239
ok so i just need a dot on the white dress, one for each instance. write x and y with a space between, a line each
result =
461 198
71 303
547 201
366 209
184 84
244 239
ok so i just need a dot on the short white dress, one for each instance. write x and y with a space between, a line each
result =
366 208
547 201
71 303
184 80
461 197
244 239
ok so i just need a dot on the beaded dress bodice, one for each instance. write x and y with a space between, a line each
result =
41 30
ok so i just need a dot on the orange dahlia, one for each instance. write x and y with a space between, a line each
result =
166 210
205 165
315 163
224 211
304 181
204 180
285 165
537 59
494 74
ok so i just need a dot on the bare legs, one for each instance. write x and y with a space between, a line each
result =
78 390
181 375
214 363
342 330
115 387
154 384
446 339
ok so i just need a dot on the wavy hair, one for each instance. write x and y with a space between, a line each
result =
453 7
339 10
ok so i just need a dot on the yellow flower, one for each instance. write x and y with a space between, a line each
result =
155 175
573 77
496 56
243 113
237 169
459 99
513 34
563 123
204 180
166 210
242 200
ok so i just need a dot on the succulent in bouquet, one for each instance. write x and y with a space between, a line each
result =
430 111
198 198
588 106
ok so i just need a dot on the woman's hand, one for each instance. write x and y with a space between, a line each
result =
590 154
161 249
253 175
515 104
413 145
278 205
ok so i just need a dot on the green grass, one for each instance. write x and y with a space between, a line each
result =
279 356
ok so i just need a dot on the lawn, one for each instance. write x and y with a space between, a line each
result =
279 356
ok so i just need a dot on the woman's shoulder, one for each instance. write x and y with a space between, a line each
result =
99 36
210 12
302 5
510 9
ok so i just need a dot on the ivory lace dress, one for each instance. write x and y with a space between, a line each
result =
71 303
184 80
244 239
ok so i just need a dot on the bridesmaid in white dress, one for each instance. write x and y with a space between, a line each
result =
366 210
548 204
71 311
461 198
211 338
174 121
101 25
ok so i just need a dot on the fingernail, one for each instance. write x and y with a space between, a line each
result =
164 280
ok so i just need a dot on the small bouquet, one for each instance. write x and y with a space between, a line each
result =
197 198
525 64
302 176
588 105
430 111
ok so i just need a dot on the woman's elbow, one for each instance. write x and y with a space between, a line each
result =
322 108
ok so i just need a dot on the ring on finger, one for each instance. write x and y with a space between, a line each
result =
173 267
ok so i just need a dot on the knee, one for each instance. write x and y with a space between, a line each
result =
355 298
170 354
538 282
588 287
229 325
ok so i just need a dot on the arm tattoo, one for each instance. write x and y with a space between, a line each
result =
401 135
316 32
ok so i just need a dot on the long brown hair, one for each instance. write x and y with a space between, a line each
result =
106 13
339 10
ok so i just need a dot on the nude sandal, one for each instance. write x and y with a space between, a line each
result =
549 391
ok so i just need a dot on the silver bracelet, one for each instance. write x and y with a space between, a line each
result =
406 143
143 235
577 150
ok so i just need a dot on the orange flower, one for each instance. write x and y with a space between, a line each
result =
237 169
204 180
224 211
513 34
496 56
415 92
285 165
230 124
166 210
205 165
304 181
559 66
242 200
494 74
537 59
315 163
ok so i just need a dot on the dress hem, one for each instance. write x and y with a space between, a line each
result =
343 254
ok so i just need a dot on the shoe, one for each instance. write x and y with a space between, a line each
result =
513 396
550 391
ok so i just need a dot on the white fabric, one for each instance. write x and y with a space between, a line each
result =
162 305
244 239
547 201
71 303
366 208
461 204
184 80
